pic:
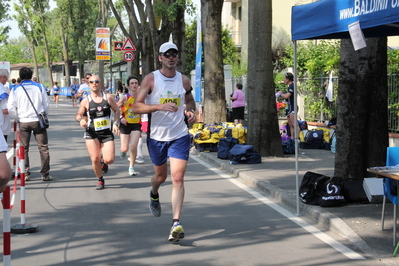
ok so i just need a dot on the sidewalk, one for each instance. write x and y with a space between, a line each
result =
358 223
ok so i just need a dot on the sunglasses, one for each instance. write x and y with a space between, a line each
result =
94 81
170 54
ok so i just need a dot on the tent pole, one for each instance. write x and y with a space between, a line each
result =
298 213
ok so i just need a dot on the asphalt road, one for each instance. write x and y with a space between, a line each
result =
226 222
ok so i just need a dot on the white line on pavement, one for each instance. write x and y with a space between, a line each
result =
308 227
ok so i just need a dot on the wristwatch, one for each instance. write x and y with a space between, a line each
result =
79 119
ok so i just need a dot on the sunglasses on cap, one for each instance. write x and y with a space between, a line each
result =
170 54
94 81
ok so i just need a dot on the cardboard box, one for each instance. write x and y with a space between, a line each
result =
374 189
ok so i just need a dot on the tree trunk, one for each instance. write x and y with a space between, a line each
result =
362 130
179 38
214 89
263 129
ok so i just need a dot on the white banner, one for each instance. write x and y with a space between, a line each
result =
103 49
5 65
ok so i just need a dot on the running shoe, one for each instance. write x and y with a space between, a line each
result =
100 184
104 167
176 232
47 178
139 160
155 206
131 171
123 155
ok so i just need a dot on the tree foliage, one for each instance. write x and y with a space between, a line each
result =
315 60
4 7
16 51
231 56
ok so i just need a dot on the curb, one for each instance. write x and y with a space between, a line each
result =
321 217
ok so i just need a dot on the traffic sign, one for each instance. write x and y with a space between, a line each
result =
128 45
118 46
128 56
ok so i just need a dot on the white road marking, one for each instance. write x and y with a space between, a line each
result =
308 227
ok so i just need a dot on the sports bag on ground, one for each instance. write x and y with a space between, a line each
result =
314 139
224 146
330 192
288 146
244 154
317 189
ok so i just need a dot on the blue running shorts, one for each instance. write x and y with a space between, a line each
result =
160 150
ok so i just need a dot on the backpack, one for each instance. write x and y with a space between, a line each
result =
288 146
317 189
244 154
224 146
314 139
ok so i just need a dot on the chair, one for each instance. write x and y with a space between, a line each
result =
392 160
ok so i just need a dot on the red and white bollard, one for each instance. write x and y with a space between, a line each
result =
6 227
23 227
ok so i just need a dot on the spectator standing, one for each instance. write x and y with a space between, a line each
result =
289 98
12 84
165 95
5 123
5 168
238 104
28 120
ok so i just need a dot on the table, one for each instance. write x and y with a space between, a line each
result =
390 172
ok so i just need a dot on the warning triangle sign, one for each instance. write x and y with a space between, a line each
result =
128 45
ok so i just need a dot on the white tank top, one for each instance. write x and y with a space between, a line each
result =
163 125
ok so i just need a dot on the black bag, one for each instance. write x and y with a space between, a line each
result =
289 146
43 120
353 191
317 189
309 187
314 139
244 154
330 193
224 146
206 147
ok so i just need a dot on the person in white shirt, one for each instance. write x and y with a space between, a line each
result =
5 168
5 123
165 95
84 88
20 108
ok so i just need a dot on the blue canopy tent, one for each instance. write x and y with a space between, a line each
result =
329 19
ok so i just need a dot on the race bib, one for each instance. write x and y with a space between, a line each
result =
102 123
170 99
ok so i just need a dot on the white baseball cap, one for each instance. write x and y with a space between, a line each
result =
167 46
